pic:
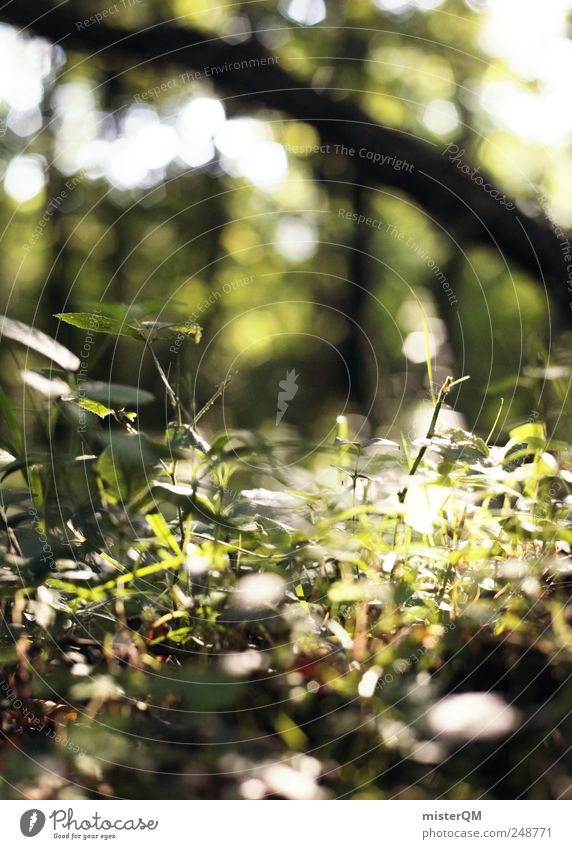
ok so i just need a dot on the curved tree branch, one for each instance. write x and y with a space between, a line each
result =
434 179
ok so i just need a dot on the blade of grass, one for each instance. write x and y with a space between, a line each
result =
496 421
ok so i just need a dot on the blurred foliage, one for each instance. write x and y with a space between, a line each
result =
149 183
246 619
193 593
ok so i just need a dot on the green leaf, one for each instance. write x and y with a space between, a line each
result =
32 458
188 501
533 433
97 323
162 531
38 341
171 330
47 385
94 407
291 733
524 440
115 396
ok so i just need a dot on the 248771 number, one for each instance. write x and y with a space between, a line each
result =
530 832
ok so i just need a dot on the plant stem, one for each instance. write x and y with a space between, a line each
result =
443 392
175 400
218 392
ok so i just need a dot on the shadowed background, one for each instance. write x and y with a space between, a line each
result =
334 188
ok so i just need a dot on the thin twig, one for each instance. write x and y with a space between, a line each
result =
443 392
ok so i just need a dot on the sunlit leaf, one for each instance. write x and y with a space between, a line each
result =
32 338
